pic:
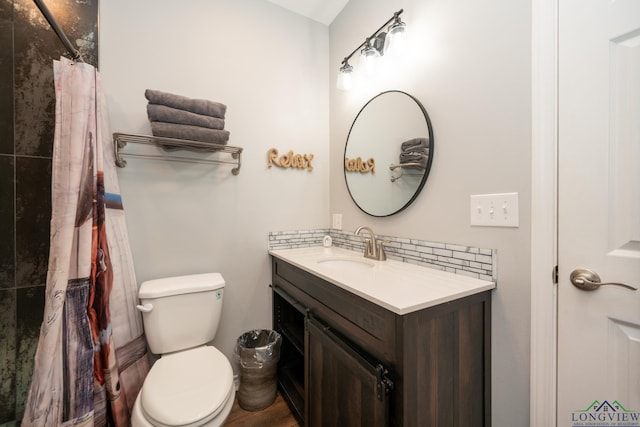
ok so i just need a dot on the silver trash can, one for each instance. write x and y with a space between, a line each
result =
258 353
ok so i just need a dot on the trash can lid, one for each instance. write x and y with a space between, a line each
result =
186 387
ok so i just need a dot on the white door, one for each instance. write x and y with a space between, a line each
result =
599 211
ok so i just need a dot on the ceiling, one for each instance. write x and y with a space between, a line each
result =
323 11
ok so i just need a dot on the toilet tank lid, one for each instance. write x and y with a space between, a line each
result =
167 286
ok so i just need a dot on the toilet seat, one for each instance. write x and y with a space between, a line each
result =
187 388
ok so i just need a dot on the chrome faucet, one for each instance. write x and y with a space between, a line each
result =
372 248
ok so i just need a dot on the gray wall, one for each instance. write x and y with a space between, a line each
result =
469 63
270 67
27 48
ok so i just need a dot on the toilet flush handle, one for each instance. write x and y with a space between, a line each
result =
146 308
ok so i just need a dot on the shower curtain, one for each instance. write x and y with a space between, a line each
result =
91 358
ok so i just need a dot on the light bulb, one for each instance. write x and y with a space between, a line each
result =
395 40
344 77
369 58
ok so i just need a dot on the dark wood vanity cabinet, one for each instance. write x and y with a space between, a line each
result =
348 362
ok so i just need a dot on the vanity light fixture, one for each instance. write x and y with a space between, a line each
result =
377 44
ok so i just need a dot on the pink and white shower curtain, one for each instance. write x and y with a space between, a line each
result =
91 358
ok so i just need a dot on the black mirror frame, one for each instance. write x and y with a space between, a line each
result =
429 160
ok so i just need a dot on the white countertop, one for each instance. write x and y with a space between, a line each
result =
397 286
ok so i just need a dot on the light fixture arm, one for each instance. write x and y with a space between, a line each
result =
372 36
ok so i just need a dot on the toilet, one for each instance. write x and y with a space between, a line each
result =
191 384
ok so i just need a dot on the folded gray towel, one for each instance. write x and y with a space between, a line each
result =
162 113
410 144
198 106
415 153
418 161
414 157
421 150
193 133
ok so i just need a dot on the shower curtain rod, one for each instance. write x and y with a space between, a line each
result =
75 53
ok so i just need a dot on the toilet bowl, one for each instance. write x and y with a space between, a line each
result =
192 383
187 389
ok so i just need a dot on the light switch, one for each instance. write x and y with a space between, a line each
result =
336 223
495 210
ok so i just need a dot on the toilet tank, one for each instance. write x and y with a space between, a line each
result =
181 312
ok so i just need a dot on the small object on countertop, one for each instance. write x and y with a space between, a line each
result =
326 241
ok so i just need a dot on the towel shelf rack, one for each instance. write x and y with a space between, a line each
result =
412 165
403 166
120 140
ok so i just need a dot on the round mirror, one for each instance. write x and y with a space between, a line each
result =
388 153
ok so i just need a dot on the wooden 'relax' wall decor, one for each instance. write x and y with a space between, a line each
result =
290 160
359 165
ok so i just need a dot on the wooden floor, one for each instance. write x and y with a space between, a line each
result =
276 415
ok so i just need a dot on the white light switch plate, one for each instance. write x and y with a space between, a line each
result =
336 222
495 210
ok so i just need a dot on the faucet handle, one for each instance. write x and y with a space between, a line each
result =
368 247
382 256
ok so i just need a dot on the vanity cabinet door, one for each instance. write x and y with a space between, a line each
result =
342 387
288 321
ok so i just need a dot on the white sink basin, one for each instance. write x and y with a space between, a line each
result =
397 286
346 263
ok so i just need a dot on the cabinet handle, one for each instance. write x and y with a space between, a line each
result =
384 384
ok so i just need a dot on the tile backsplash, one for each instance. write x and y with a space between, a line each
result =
454 258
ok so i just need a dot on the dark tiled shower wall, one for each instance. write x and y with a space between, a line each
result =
28 46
